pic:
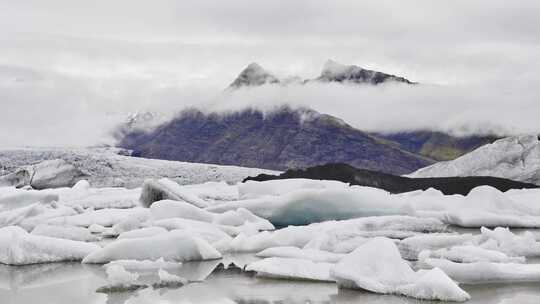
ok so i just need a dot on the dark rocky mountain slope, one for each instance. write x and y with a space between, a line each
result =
437 145
277 140
395 184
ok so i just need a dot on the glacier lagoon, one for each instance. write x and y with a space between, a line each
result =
63 283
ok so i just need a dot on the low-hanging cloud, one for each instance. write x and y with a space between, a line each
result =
71 71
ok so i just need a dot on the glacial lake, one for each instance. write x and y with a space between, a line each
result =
75 283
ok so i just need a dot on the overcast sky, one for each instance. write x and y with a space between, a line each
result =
66 63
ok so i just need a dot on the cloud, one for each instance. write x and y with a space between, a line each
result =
75 68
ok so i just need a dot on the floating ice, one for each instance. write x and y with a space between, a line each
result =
378 267
65 232
166 189
18 247
304 254
290 268
485 272
172 246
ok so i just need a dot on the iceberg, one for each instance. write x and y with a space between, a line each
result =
486 272
65 232
144 265
142 232
166 189
290 268
469 254
378 267
18 247
176 246
304 254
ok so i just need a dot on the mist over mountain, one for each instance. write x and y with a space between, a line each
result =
285 138
255 75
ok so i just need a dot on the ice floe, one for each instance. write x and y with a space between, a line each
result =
378 267
172 246
18 247
291 268
486 272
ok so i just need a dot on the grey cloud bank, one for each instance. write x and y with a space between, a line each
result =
75 68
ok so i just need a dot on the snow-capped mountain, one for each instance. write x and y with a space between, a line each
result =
253 75
516 158
284 138
337 72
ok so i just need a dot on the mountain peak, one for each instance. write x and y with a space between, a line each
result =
336 72
253 75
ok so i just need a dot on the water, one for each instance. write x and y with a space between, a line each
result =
75 283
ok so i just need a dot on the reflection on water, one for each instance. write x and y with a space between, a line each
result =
68 283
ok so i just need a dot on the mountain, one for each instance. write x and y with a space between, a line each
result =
336 72
253 75
392 183
516 157
437 145
278 140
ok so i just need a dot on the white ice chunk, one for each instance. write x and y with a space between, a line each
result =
172 246
377 266
411 247
163 189
65 232
103 217
304 254
289 268
502 239
145 265
485 272
142 232
254 189
469 254
18 247
118 276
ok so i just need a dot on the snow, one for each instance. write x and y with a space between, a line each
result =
172 246
378 267
516 158
18 247
486 272
313 255
290 268
104 167
65 232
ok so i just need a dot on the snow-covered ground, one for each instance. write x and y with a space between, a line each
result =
516 158
352 237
